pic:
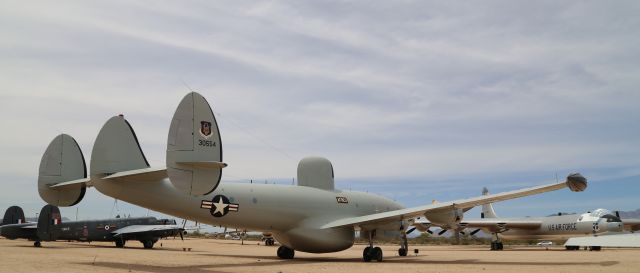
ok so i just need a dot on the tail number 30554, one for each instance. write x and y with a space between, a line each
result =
206 143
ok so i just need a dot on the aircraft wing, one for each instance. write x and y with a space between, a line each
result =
491 224
631 224
497 224
137 229
575 182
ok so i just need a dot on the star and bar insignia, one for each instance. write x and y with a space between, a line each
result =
219 206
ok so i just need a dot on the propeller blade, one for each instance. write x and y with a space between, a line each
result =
410 230
181 236
474 232
442 232
429 231
618 214
462 232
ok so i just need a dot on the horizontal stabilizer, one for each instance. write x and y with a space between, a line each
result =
151 174
213 165
70 184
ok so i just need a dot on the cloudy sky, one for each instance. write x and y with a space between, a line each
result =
414 100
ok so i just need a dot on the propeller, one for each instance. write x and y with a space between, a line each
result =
474 232
442 232
411 230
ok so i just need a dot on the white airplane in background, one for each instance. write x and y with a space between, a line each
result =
311 216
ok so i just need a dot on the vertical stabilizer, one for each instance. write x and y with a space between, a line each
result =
13 215
487 209
194 148
116 149
62 162
48 222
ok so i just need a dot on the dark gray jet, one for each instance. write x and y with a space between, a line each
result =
147 230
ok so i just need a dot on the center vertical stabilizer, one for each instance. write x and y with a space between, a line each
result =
194 148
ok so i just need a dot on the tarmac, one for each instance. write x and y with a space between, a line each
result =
209 255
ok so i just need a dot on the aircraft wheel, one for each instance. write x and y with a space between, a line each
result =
499 246
402 252
595 248
148 244
269 242
37 244
493 245
572 247
366 254
377 254
120 243
285 252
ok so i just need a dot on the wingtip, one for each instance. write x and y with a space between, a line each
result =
576 182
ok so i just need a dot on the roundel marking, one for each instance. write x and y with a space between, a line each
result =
219 206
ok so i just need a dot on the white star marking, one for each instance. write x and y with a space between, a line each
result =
220 207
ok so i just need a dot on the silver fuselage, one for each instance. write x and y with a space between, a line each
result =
563 227
294 214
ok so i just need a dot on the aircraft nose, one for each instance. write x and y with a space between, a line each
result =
615 227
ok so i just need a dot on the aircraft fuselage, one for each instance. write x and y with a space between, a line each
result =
292 213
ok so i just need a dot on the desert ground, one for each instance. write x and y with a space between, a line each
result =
208 255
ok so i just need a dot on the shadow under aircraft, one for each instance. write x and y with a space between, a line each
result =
147 230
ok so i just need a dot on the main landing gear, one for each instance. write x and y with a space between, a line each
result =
148 243
37 244
269 242
496 246
285 252
404 247
372 253
497 243
120 243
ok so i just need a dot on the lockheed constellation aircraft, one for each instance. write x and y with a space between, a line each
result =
312 216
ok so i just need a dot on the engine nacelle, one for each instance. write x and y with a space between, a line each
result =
448 218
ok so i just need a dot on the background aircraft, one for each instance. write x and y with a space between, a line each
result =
312 216
561 226
147 230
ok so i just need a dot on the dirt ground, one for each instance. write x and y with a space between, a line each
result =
208 255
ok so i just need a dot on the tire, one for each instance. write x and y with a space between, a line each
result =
366 254
37 244
285 252
120 243
148 244
377 254
402 252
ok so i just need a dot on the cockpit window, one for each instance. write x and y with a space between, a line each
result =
600 212
612 218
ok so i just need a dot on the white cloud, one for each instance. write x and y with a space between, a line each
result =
385 90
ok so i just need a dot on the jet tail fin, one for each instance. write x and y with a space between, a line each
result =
13 215
487 209
194 148
48 220
61 163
